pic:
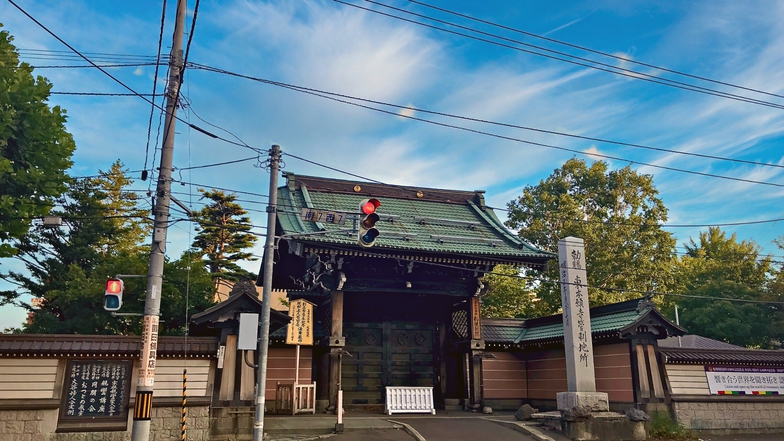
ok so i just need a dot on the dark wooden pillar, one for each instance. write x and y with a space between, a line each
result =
336 344
475 352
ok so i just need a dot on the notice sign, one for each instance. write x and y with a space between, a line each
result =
723 380
300 328
96 389
329 217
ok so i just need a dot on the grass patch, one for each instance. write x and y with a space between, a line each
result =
663 427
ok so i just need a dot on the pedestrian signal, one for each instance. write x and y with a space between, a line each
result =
112 298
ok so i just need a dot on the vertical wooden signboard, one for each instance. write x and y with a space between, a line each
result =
300 328
476 319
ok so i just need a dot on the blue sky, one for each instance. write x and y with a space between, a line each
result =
341 49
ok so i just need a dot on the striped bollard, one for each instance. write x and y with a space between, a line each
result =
184 402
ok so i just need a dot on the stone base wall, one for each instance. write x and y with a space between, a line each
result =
40 425
165 424
731 416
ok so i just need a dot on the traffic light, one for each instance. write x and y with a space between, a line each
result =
112 298
367 221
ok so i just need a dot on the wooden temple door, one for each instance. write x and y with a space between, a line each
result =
392 353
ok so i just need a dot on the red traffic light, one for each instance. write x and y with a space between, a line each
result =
114 286
369 206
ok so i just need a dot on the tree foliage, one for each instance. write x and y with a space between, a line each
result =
508 295
619 215
716 267
122 209
67 267
35 149
223 235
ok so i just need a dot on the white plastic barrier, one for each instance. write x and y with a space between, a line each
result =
410 400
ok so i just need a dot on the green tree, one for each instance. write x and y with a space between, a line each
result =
78 307
67 267
223 235
619 215
122 209
50 253
35 149
508 295
717 267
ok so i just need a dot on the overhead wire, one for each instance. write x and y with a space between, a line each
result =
452 266
154 85
584 62
587 49
340 98
411 117
399 115
65 66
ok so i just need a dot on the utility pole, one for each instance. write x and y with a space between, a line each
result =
142 412
264 322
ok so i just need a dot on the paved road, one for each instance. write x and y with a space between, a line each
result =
434 429
439 429
373 435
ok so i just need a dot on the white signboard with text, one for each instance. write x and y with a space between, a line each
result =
743 380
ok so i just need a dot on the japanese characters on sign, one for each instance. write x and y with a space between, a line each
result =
578 344
300 328
724 380
328 217
149 351
476 320
96 388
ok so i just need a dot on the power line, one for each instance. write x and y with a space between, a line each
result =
120 82
645 293
218 164
82 66
332 96
720 224
587 49
187 104
154 86
583 61
69 54
101 94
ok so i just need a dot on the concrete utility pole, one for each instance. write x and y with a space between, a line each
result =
142 412
264 322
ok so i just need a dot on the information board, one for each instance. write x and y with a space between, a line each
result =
96 390
745 380
300 328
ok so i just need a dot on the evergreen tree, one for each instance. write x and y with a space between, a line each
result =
122 209
223 235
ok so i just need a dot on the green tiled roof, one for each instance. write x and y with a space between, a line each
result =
599 325
464 224
501 330
608 319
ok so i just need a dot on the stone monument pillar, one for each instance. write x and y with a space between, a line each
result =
578 344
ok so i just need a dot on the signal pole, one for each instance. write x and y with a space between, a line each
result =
142 412
264 322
